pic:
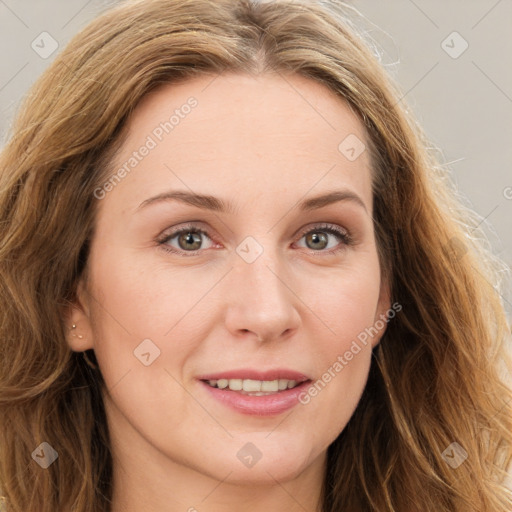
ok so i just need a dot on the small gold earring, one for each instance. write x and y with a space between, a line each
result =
79 336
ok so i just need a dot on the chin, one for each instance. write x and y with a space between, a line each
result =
264 465
264 473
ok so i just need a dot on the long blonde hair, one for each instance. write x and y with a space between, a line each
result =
438 376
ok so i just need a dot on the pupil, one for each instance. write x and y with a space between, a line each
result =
189 238
316 238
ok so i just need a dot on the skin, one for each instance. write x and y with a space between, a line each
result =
264 143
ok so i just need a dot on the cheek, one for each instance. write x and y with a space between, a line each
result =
140 300
143 338
343 347
345 303
136 313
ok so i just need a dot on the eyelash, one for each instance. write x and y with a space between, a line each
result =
332 229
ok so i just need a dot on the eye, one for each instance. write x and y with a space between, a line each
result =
317 238
189 239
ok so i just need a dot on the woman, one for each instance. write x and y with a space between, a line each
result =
234 278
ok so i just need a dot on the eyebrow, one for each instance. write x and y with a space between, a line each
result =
208 202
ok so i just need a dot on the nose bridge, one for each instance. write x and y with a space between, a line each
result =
260 268
261 299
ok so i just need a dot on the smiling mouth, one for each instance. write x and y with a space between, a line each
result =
254 387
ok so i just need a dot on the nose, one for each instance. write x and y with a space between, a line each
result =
261 300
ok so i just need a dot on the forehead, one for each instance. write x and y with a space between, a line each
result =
237 134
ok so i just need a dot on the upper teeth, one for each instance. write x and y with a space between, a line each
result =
253 385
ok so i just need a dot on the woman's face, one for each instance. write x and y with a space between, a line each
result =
261 289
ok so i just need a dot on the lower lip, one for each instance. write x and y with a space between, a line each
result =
264 405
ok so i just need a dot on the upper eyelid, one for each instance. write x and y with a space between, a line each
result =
323 225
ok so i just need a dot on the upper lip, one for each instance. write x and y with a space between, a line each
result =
253 374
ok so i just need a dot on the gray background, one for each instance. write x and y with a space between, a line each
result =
463 103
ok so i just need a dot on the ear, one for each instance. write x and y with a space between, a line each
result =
79 338
381 314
